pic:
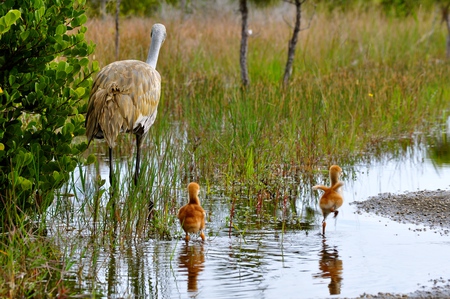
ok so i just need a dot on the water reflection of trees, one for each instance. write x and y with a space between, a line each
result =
330 266
192 258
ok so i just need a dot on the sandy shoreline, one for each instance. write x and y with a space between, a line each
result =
428 208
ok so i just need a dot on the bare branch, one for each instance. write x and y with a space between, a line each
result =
310 18
429 33
293 1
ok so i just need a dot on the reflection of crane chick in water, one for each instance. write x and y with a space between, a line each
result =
192 258
331 199
192 216
331 267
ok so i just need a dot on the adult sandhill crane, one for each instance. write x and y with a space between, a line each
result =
331 199
124 98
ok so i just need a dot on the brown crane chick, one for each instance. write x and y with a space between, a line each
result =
331 199
192 216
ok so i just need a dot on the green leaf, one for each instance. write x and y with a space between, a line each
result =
61 66
61 29
95 66
61 75
12 16
84 61
24 183
23 159
37 3
24 35
12 79
79 21
39 13
68 128
91 159
56 176
8 20
80 91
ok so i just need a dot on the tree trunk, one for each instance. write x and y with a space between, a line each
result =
448 40
244 42
293 42
117 28
103 9
183 5
445 17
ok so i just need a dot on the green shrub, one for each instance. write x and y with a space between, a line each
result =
44 80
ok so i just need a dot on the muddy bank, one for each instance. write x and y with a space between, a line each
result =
436 292
429 208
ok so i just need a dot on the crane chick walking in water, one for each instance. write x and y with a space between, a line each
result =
331 199
192 216
124 98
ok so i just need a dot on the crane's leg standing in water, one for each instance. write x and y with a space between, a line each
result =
138 158
111 176
139 139
113 188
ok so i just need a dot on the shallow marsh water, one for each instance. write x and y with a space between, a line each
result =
361 253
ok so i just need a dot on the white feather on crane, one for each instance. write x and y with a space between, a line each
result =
124 99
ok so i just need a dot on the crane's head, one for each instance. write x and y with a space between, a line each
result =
158 32
193 189
336 169
158 36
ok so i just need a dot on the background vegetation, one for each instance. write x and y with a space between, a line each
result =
364 82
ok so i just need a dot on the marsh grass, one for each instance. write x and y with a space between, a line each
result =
360 79
363 85
30 262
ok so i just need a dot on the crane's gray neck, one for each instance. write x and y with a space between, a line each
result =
158 37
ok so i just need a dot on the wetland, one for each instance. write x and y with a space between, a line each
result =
362 254
369 93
